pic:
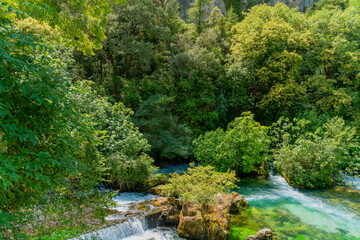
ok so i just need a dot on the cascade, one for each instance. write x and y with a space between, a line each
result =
136 227
119 231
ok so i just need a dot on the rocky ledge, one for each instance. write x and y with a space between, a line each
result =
190 220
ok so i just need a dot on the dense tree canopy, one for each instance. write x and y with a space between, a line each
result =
95 92
82 22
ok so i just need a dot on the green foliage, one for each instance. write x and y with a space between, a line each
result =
241 147
169 139
122 143
55 134
82 22
47 144
314 159
286 131
239 7
144 55
274 46
200 184
267 46
330 4
61 215
355 4
33 117
129 172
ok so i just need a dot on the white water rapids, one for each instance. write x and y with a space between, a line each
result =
133 228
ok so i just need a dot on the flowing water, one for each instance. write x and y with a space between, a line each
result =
178 168
135 227
332 214
298 214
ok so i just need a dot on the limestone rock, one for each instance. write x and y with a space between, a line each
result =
264 234
238 204
191 224
302 5
168 210
186 4
156 190
214 224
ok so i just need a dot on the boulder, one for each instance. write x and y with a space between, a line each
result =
264 234
212 224
157 190
238 204
195 221
191 224
168 209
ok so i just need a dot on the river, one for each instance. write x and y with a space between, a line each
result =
298 214
332 214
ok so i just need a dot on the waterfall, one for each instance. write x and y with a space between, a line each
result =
138 226
134 229
119 231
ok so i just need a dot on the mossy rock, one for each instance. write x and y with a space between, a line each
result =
157 179
111 211
141 207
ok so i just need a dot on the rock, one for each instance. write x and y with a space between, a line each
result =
128 213
192 221
169 210
264 234
302 5
141 207
214 224
185 5
111 211
238 204
152 218
157 190
191 224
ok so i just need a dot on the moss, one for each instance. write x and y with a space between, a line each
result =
241 233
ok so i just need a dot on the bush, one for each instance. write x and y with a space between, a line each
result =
241 147
128 172
314 159
200 184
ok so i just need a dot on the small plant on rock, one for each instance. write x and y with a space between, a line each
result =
200 185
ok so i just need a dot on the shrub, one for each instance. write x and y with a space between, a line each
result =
314 159
128 172
200 185
241 147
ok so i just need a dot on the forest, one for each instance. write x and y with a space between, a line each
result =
97 96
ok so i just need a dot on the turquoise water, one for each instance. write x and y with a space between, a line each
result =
298 214
332 214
